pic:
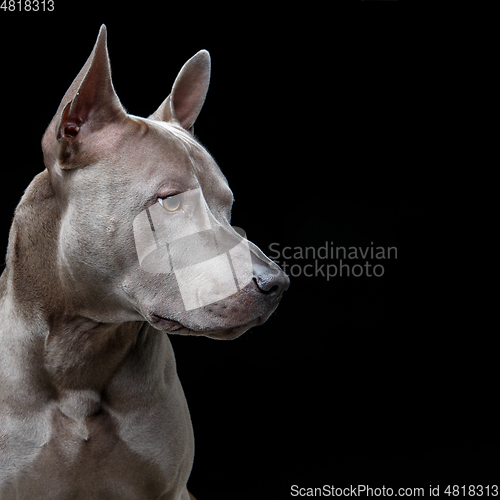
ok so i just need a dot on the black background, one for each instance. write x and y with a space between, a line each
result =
324 124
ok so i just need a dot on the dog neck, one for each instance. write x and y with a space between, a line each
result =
72 357
31 275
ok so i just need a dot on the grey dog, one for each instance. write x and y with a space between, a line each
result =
124 237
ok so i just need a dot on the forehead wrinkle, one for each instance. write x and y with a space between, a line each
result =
204 167
177 132
180 135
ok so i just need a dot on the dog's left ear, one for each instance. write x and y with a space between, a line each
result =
188 93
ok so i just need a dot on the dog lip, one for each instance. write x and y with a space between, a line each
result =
165 323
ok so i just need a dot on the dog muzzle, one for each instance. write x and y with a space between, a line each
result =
179 236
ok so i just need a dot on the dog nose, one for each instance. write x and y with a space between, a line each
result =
269 280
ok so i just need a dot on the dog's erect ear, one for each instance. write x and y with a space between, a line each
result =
89 104
91 98
188 93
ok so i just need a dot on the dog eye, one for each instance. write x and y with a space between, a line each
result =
171 203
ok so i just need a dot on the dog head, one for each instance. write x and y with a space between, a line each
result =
145 212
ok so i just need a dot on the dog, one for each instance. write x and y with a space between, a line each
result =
124 237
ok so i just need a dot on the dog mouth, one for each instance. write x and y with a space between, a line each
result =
167 324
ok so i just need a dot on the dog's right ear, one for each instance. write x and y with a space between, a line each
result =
88 105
